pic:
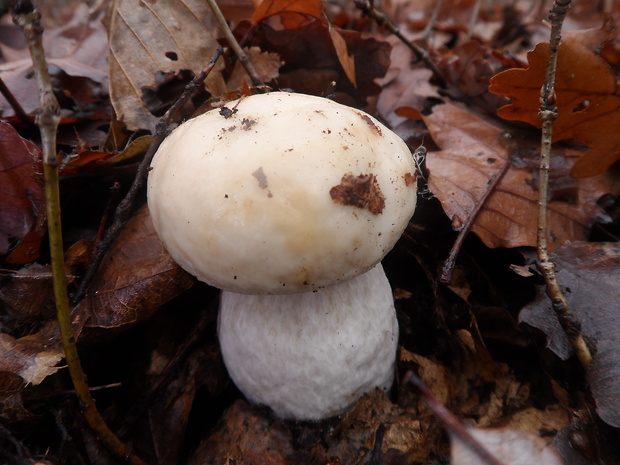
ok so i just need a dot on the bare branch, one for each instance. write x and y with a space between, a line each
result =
28 19
547 115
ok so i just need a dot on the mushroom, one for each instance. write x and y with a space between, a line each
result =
288 203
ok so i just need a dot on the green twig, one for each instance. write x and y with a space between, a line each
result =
48 119
547 114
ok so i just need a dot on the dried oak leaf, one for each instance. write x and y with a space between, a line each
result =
589 274
587 101
147 38
22 208
474 152
136 277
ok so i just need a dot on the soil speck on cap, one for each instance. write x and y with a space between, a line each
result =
371 123
361 191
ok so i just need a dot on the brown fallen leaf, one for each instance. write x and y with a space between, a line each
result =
11 407
311 63
585 94
22 208
312 9
589 274
136 278
33 357
404 85
147 38
76 52
26 297
266 65
475 151
267 8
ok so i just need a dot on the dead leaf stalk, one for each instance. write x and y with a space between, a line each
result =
28 18
368 9
234 44
447 270
547 115
450 421
126 206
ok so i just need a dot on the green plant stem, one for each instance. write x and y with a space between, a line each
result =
48 119
547 115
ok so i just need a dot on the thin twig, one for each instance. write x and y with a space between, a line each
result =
125 207
451 422
474 17
448 266
430 24
547 114
368 9
234 44
25 15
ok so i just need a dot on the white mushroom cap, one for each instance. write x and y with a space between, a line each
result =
281 193
312 355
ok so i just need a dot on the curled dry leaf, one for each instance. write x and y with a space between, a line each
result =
135 279
474 152
587 101
589 274
76 53
509 447
147 38
32 357
22 209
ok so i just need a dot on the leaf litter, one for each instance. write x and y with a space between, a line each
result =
146 326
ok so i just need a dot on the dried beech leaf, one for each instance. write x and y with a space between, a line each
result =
22 208
147 38
586 98
474 152
509 447
589 273
135 279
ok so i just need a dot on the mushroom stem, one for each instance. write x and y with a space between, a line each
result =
311 355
